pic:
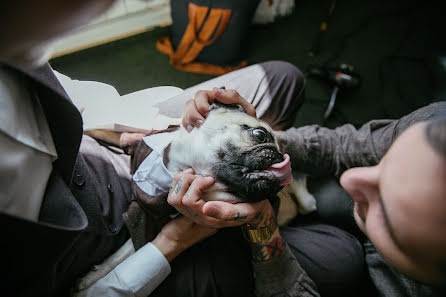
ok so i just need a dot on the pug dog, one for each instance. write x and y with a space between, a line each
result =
241 152
238 150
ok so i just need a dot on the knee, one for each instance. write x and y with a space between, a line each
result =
286 72
333 258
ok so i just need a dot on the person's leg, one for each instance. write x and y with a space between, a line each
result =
332 258
218 266
275 88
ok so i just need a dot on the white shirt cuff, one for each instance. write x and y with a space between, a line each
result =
142 272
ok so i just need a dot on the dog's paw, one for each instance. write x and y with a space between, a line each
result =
306 201
295 199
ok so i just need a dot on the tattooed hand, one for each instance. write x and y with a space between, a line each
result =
185 196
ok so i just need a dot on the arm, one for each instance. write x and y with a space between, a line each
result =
277 272
144 270
320 151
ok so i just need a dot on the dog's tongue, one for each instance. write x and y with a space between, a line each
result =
282 170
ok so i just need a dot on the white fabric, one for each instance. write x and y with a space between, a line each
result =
138 275
124 113
152 176
26 149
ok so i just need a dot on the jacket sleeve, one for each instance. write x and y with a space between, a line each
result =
319 151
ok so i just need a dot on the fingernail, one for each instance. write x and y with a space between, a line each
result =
189 170
199 123
209 178
189 128
220 90
211 211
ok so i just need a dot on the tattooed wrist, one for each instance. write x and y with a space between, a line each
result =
263 219
267 249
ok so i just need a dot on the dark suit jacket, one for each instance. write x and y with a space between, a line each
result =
75 230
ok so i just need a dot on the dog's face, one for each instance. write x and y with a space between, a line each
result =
238 150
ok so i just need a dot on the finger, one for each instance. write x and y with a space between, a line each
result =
239 212
190 112
180 184
203 99
192 199
233 97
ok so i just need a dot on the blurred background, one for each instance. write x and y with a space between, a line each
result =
396 48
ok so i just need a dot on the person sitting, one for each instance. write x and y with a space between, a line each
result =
395 171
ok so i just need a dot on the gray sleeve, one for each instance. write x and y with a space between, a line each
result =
282 276
391 283
318 150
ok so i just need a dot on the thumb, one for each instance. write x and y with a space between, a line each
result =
225 211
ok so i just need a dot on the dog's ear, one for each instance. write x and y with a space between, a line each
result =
228 107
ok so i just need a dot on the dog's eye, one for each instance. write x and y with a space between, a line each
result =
259 135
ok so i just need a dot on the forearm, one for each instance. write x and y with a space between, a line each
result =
319 151
277 272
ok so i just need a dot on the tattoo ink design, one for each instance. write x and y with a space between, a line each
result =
275 247
262 220
257 252
178 186
265 250
188 191
239 217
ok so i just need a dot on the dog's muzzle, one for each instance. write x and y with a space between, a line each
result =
254 173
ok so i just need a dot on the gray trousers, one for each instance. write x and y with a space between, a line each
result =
220 265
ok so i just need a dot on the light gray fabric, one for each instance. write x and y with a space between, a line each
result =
275 88
321 151
390 283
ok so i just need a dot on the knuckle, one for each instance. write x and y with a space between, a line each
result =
172 200
199 93
187 202
233 93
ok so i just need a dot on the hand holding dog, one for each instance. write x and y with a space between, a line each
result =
185 196
196 109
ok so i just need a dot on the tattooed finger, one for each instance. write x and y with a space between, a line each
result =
239 217
178 186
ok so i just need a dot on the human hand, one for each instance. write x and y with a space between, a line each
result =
197 109
186 197
178 235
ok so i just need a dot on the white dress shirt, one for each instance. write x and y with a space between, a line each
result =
26 148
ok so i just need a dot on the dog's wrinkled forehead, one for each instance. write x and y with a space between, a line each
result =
229 107
233 124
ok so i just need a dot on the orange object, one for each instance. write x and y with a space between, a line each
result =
194 40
